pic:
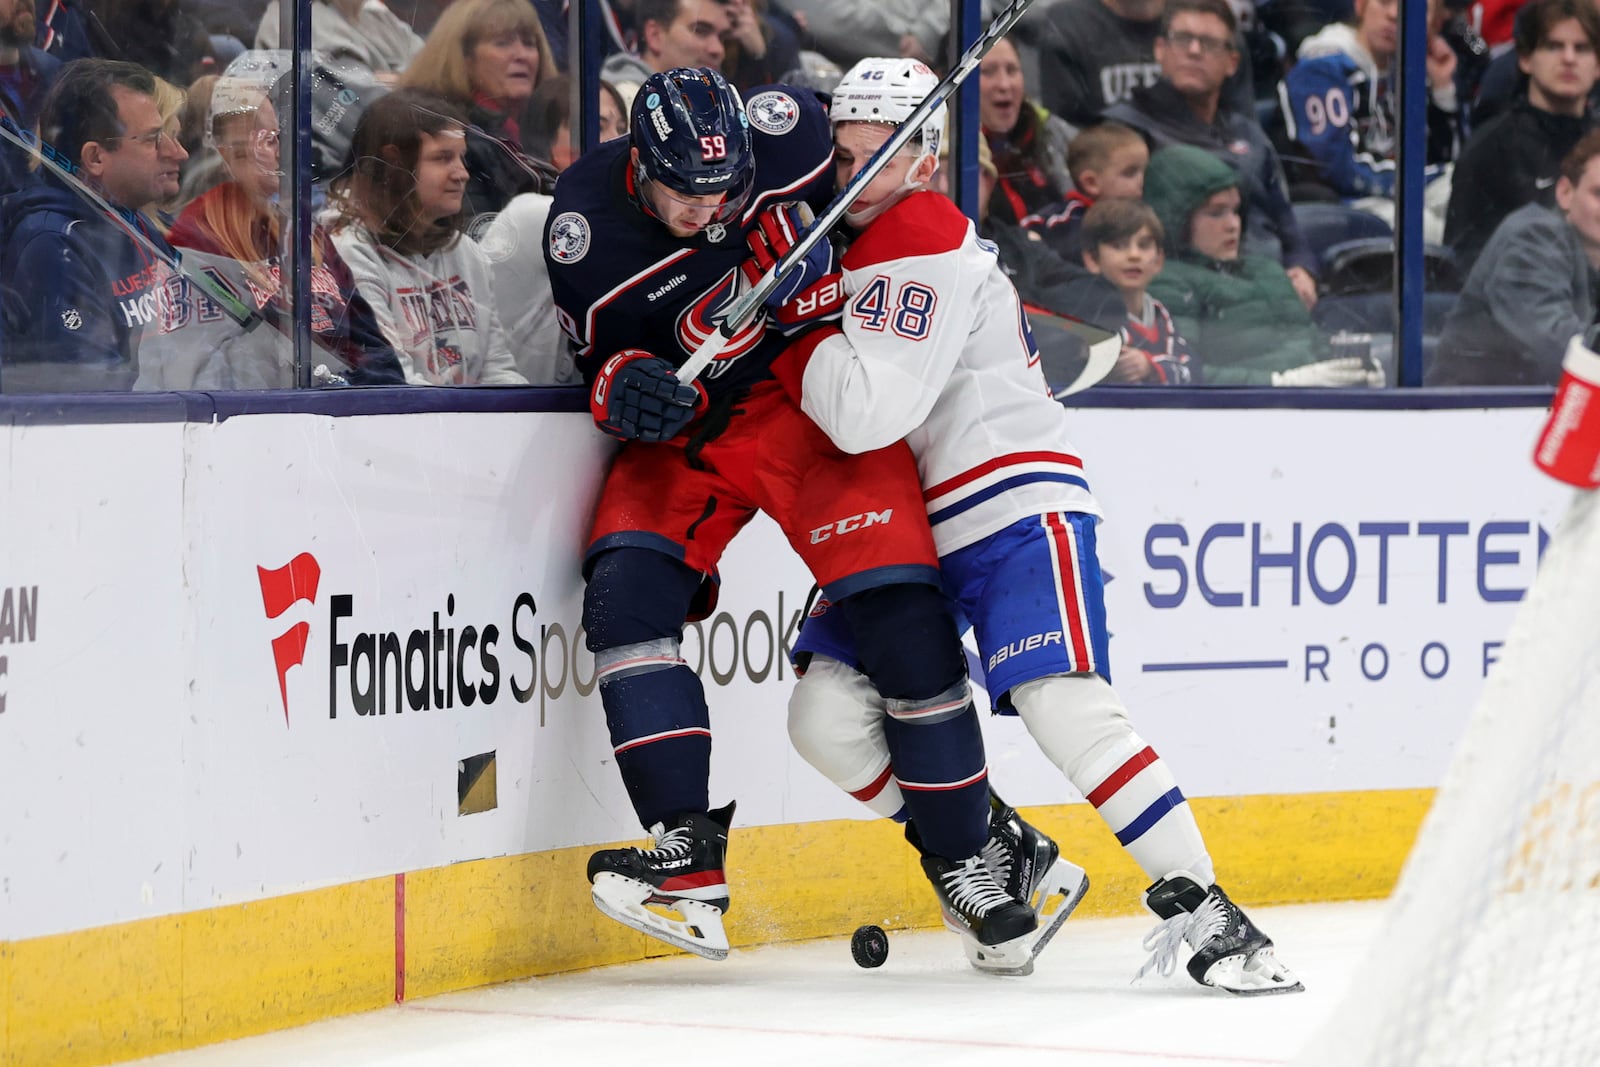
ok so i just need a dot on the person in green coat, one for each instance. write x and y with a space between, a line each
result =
1239 312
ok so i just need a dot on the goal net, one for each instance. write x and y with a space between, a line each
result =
1487 948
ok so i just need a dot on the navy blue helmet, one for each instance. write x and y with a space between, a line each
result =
693 138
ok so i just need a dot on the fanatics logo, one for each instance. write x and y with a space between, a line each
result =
569 237
773 112
281 589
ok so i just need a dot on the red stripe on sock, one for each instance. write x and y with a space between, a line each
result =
873 788
1122 776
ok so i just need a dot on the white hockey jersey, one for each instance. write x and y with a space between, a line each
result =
935 349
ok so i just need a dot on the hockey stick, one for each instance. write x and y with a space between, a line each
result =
65 170
738 314
1104 347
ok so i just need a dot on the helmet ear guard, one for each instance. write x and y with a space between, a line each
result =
692 137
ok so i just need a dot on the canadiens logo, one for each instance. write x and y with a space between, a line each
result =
569 237
698 323
773 112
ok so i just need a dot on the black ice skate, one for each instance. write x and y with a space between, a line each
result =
681 873
1230 952
975 906
1028 866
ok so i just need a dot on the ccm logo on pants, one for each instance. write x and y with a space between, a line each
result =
850 525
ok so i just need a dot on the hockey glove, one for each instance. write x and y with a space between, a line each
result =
814 291
637 397
1346 370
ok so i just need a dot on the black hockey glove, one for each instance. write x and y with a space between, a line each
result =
814 291
637 397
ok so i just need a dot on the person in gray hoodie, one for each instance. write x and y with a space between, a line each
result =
1531 290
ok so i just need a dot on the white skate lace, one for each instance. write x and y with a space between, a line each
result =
1197 927
972 888
668 844
996 855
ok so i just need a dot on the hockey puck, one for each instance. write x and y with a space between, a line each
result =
869 946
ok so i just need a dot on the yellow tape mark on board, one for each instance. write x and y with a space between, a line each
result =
140 988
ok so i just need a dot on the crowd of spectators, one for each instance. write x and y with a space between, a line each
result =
1215 179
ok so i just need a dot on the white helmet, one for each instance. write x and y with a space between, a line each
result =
889 90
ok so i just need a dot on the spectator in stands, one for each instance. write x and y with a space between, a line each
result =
170 104
1049 285
550 119
1516 158
233 233
672 33
82 285
1028 143
1104 161
63 29
488 57
1095 53
161 36
26 72
1532 289
759 48
360 32
1339 104
1240 312
1197 54
1122 242
850 30
399 229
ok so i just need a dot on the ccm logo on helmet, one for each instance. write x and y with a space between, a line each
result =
851 525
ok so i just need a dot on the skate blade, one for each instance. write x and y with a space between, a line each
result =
1054 899
627 900
1260 975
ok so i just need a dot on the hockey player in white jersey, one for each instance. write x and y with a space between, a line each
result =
934 347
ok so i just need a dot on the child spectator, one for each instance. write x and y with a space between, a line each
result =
399 228
1122 241
1240 312
1107 160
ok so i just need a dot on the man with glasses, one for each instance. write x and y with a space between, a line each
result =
83 268
1095 53
1197 53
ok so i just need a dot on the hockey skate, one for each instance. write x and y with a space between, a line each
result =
675 890
990 921
1027 865
1230 952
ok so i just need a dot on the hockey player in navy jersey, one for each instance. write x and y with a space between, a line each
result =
933 347
646 241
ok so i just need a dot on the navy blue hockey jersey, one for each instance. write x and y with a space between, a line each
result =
621 280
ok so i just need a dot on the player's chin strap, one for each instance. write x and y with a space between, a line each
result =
738 314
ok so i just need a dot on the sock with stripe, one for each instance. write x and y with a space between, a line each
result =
937 749
1080 724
